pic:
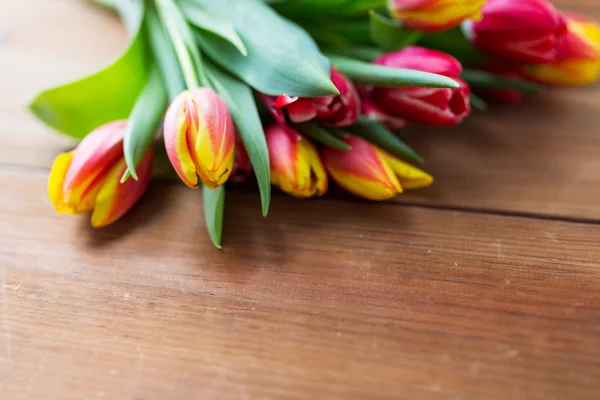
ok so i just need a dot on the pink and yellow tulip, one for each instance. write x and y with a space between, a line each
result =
199 137
523 31
371 173
578 59
434 15
295 164
87 179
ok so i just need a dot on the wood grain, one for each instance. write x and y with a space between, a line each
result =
325 299
321 299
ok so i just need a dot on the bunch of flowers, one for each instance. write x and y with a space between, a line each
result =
298 93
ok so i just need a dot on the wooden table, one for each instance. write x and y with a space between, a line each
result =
486 286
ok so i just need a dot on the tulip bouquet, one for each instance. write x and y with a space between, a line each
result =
296 92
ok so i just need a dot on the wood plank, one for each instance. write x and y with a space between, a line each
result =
43 44
319 300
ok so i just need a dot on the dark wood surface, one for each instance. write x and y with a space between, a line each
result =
486 286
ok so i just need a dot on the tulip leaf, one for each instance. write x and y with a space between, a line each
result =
282 58
478 103
164 55
381 76
454 42
483 79
364 53
240 100
325 8
389 34
322 135
378 135
216 25
79 107
214 207
143 122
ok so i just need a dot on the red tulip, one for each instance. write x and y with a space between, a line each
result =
425 105
524 31
371 110
578 59
242 168
337 111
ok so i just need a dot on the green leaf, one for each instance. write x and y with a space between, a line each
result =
478 103
214 206
143 122
455 43
216 25
482 79
240 100
377 134
320 134
325 8
378 75
389 35
282 58
164 55
364 53
79 107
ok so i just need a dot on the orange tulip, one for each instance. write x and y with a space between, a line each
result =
87 179
295 164
199 136
369 172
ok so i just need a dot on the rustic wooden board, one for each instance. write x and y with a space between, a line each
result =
322 299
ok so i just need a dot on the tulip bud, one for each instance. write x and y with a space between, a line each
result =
87 179
369 172
336 111
434 15
578 59
425 105
199 137
295 165
524 31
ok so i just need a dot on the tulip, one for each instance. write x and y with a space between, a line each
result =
336 111
199 137
369 172
371 110
295 164
87 179
523 31
434 15
578 59
432 106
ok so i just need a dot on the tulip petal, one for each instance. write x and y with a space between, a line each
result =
55 182
435 15
410 177
176 140
115 198
362 171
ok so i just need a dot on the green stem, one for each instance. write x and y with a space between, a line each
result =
183 55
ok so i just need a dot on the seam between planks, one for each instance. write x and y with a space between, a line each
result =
43 171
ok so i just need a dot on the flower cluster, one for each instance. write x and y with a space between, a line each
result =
331 112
